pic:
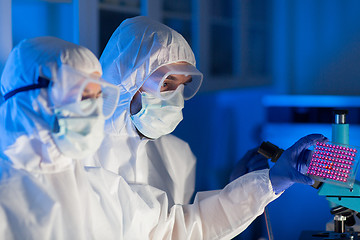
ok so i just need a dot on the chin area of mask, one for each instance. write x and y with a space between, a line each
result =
78 136
159 117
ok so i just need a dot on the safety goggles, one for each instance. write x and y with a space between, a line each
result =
71 87
169 75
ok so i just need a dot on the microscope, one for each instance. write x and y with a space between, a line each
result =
344 199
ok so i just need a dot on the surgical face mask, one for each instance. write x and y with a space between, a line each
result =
78 136
159 117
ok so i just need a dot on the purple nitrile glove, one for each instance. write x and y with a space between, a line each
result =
293 164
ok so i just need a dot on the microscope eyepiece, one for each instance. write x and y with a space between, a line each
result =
340 116
271 151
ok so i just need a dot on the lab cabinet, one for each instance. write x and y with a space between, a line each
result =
229 37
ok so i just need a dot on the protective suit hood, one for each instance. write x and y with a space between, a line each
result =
26 116
136 49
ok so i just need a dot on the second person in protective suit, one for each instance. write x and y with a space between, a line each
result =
53 115
155 69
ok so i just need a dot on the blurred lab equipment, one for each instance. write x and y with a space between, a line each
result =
341 188
344 199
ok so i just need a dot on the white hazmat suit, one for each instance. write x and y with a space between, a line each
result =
43 194
161 172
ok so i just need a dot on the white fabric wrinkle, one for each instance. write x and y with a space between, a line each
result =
141 205
193 221
261 184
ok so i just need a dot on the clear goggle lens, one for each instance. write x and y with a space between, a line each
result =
169 75
72 87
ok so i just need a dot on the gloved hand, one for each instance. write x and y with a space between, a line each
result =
252 161
293 164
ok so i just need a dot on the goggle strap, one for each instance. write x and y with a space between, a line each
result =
42 83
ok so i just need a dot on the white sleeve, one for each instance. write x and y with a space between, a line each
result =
220 214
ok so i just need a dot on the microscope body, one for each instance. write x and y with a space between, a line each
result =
344 201
347 197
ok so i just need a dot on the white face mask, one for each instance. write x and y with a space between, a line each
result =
79 136
159 117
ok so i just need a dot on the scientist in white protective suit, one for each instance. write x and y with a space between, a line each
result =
155 69
53 115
